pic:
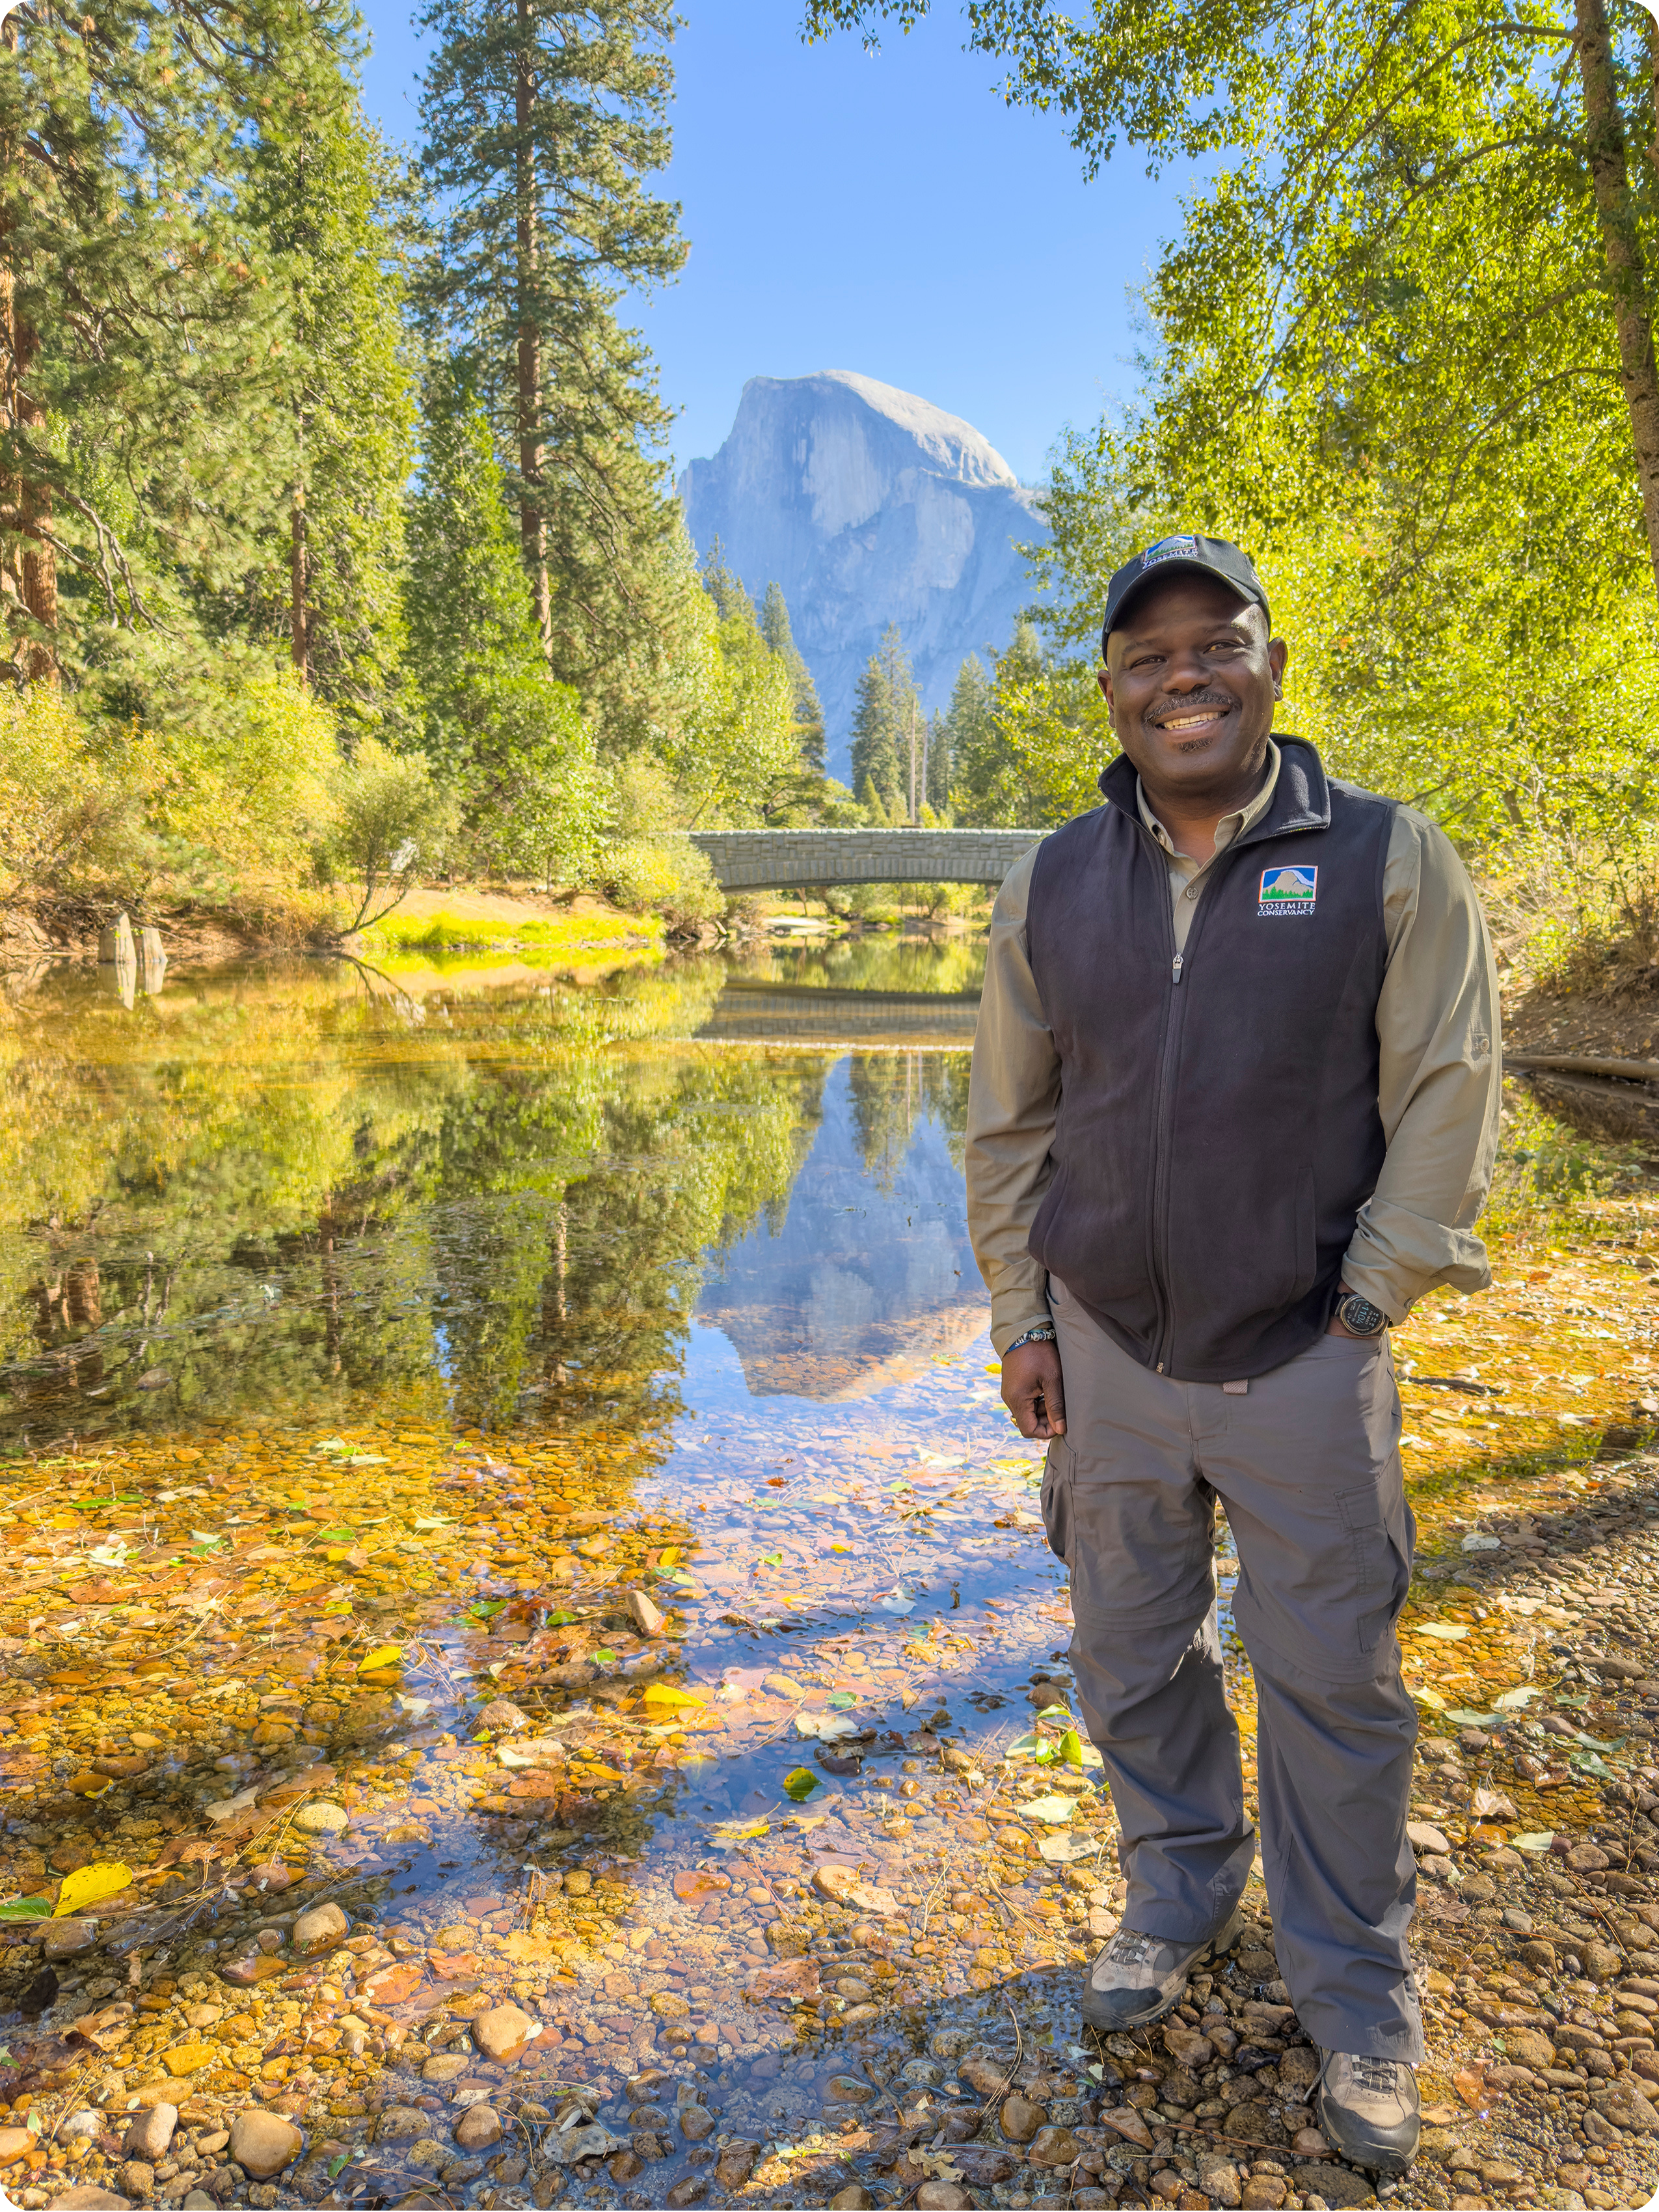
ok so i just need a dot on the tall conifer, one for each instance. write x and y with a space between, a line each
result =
543 122
808 714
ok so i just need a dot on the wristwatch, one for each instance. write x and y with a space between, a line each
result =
1360 1317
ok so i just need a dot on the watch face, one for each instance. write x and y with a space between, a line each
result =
1361 1317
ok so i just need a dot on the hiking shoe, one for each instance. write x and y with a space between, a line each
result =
1368 2110
1137 1978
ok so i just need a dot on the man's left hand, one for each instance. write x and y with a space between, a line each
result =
1335 1327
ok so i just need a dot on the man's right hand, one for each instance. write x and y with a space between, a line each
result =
1034 1391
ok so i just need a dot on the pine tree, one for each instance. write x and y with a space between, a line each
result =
332 201
542 122
808 714
887 711
939 761
992 789
139 379
506 738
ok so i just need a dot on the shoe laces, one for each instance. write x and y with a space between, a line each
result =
1374 2077
1129 1947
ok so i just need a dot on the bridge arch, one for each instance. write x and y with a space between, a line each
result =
796 859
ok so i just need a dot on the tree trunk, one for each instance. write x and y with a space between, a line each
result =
28 559
532 523
1604 141
298 621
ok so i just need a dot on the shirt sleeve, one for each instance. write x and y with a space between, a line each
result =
1439 1080
1014 1094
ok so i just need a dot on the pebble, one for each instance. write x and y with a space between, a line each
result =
151 2132
322 1929
262 2143
321 1817
502 2032
1423 1836
478 2125
15 2143
1020 2118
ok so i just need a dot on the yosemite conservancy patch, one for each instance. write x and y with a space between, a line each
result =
1287 890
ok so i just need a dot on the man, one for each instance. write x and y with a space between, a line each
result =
1233 1110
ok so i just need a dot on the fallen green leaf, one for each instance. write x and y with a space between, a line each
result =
800 1783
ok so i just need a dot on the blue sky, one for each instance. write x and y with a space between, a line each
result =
879 212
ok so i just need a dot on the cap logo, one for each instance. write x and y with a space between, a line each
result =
1170 549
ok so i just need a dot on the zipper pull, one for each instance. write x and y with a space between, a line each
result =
1175 973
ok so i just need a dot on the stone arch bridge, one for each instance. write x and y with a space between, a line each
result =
796 859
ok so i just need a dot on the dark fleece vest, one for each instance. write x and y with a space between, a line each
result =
1218 1129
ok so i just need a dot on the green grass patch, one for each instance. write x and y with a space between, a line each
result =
567 936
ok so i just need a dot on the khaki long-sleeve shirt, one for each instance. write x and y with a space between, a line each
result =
1439 1079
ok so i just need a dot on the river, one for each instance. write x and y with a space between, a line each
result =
516 1455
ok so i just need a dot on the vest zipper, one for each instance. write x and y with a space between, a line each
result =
1175 970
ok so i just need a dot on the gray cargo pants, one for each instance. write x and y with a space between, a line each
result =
1307 1463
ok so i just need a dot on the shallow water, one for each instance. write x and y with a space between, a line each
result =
347 1310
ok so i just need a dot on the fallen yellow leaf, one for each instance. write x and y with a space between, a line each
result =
90 1885
662 1693
1447 1631
383 1655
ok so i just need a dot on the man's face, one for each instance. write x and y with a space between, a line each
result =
1191 678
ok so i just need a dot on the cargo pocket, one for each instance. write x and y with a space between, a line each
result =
1381 1562
1056 1499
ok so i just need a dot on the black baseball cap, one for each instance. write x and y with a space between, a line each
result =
1205 557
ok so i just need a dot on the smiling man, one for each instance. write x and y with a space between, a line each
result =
1233 1110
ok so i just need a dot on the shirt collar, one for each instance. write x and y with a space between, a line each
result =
1230 826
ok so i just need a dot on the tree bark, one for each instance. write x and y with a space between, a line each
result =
1621 247
28 558
532 523
298 621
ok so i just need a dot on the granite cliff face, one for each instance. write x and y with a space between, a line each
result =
868 507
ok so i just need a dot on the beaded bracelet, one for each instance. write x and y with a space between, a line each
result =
1032 1336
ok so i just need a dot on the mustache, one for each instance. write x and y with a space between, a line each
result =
1176 708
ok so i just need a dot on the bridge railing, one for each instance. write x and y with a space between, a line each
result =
796 859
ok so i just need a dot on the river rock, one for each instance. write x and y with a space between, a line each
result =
478 2125
1020 2118
15 2143
502 2032
736 2163
446 2066
1527 2046
1125 2120
1622 2105
501 1714
1054 2146
1218 2177
400 2124
848 2089
321 1817
150 2133
1188 2048
942 2196
1336 2184
67 1939
321 1929
643 1614
89 2198
696 2124
1424 1837
262 2143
